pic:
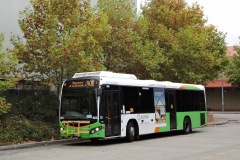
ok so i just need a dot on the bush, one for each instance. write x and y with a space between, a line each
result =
33 117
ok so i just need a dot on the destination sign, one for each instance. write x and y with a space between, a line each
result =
81 83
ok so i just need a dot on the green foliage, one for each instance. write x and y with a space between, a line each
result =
168 41
121 49
20 129
4 106
62 37
32 117
7 76
233 69
186 48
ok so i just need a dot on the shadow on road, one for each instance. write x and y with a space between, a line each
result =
114 141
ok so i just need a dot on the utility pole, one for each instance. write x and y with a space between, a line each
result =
222 92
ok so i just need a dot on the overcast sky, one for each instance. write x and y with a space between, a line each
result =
221 13
9 14
224 14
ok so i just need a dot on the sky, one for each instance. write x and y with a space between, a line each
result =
9 15
221 13
224 14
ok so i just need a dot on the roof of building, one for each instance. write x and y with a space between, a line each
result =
231 51
219 82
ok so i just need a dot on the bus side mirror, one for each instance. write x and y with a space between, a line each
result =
99 92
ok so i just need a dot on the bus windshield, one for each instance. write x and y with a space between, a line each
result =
79 105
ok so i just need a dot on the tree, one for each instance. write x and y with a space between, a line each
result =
233 68
183 47
122 47
7 80
61 38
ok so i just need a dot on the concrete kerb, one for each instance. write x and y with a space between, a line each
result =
36 144
218 121
215 121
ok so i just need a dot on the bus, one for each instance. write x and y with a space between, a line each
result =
104 104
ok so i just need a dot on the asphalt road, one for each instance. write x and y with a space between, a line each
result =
217 142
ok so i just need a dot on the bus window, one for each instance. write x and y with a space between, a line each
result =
146 100
131 99
188 100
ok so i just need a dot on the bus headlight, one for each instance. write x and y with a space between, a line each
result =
62 130
94 130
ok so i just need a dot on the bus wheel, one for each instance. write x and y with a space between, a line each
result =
130 135
187 126
94 140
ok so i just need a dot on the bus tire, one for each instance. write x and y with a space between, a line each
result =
130 132
187 126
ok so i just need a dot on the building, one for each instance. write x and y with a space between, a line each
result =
221 95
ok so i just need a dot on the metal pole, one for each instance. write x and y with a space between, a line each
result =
222 92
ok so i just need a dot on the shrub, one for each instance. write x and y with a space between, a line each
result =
32 117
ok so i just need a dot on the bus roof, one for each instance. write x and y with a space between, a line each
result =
107 77
105 74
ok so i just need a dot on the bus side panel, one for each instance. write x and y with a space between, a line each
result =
146 123
147 126
167 127
198 119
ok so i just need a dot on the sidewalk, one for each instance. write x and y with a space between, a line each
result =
224 112
215 120
218 121
221 117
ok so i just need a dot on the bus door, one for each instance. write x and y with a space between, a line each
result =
112 113
171 107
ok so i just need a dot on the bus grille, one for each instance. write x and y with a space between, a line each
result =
75 128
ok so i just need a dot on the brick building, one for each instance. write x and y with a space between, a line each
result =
222 96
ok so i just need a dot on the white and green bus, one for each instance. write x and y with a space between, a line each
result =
100 105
